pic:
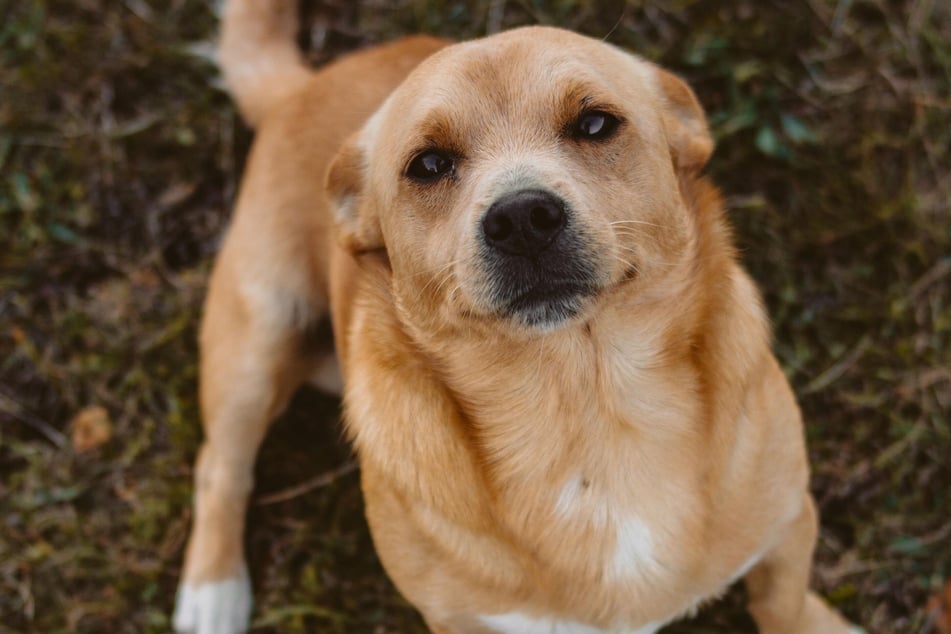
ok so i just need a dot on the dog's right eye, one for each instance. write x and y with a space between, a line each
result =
429 166
596 125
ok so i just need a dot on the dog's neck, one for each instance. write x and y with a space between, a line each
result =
602 376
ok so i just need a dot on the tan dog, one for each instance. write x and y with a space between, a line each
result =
557 376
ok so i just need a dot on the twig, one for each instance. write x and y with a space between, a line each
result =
306 486
832 374
887 455
12 408
932 275
936 536
898 447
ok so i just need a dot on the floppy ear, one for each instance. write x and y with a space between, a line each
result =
687 133
357 225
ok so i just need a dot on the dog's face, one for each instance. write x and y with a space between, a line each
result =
518 179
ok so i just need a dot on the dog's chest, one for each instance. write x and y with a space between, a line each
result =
600 482
616 541
589 459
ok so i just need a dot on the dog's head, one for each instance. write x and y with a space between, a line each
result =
518 179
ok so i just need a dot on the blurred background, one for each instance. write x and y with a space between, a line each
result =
119 159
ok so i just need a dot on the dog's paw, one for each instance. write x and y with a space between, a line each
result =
214 607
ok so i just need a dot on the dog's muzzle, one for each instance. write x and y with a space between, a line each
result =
537 262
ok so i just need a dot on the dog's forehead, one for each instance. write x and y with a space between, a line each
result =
521 59
524 72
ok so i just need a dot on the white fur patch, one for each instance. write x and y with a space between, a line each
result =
518 623
218 607
634 553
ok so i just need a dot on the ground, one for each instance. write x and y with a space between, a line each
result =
119 159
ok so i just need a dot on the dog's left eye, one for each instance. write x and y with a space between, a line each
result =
430 165
596 125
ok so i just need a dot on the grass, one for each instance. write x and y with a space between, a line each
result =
119 160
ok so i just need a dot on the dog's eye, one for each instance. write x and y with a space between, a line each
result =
596 125
429 166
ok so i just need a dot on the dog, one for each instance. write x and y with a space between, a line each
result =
556 375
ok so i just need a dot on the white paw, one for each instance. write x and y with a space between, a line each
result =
214 607
855 629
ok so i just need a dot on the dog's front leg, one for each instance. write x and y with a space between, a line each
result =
778 586
249 370
214 596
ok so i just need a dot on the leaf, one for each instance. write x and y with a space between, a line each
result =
769 143
744 71
699 51
796 130
62 233
22 193
727 123
91 428
907 546
175 194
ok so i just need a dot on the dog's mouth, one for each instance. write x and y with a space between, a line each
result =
549 303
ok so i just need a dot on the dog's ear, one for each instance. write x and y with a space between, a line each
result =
687 132
357 225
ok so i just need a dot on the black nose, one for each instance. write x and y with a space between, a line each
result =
524 223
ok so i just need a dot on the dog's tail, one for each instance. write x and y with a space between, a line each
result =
258 54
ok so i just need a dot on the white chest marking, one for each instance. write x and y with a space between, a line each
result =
518 623
634 546
634 553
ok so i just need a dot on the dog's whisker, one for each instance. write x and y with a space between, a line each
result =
437 279
632 251
627 263
446 279
624 233
653 261
634 222
439 270
441 284
451 295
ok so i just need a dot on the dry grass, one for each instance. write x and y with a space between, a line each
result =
118 163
